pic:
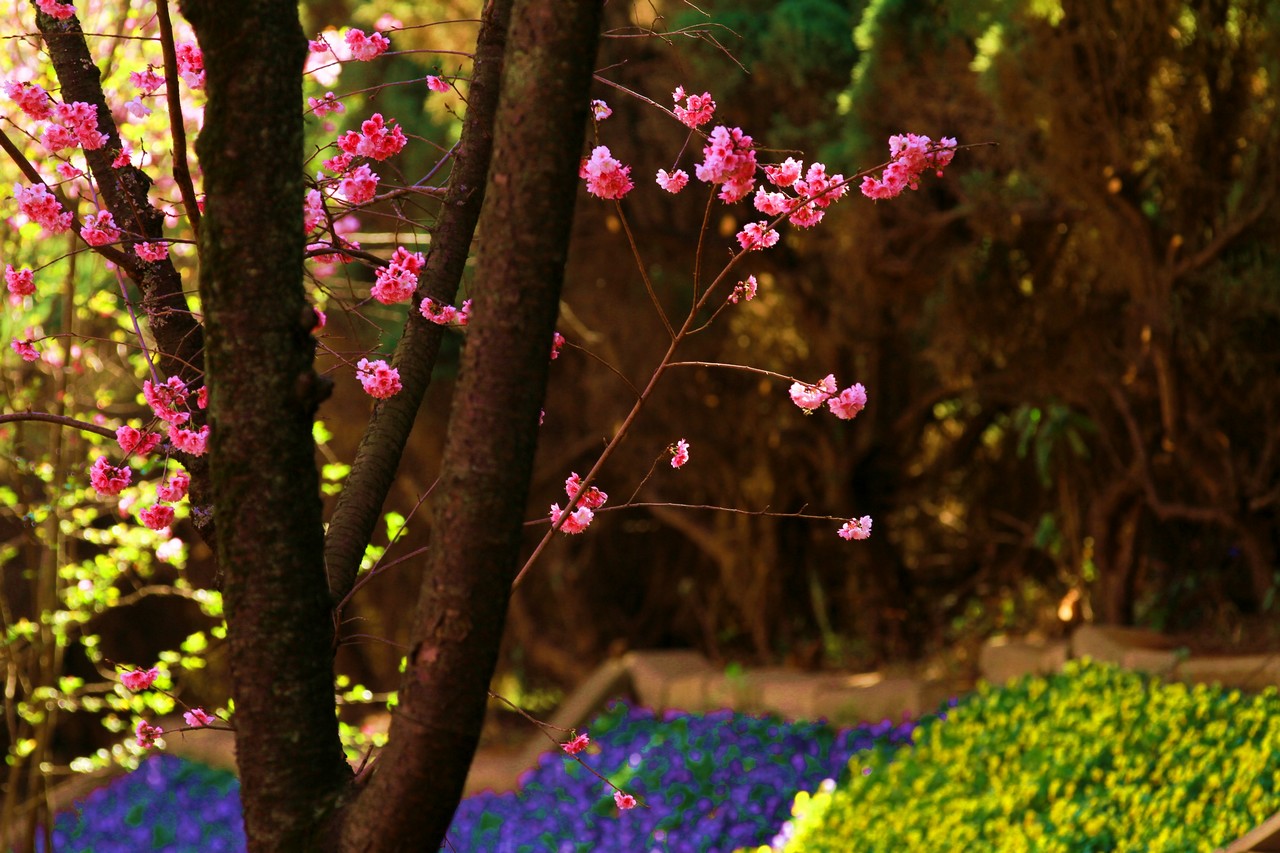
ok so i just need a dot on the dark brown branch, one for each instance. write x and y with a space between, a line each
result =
373 470
60 420
181 171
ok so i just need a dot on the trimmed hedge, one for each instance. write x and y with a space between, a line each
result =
1093 759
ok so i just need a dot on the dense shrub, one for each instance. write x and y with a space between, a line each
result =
1094 759
709 782
166 804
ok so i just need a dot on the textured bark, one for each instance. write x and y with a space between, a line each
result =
263 395
373 471
493 427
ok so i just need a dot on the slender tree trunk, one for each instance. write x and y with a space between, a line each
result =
263 395
525 226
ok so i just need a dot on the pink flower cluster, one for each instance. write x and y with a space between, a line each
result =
171 403
623 800
856 528
20 282
328 104
697 109
728 159
911 155
100 229
600 110
606 177
107 479
56 9
755 236
147 81
360 185
191 64
74 124
744 291
814 193
199 718
679 453
376 139
445 315
557 344
147 734
580 519
139 679
577 744
40 206
435 84
151 251
24 348
673 182
844 405
135 441
399 278
366 47
380 380
31 98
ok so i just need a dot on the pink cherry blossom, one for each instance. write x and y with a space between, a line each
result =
157 517
325 105
202 396
20 282
24 349
376 139
593 499
199 718
600 110
911 155
136 108
139 679
360 186
557 344
80 119
31 98
42 207
697 110
756 236
606 177
445 315
151 251
856 528
728 160
680 454
810 397
366 47
744 291
147 734
435 84
135 441
576 522
312 211
55 9
399 278
166 397
576 745
100 229
194 442
673 182
191 64
849 402
624 801
107 479
176 488
148 81
380 381
785 173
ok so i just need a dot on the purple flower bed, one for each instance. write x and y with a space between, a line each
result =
714 782
710 782
166 804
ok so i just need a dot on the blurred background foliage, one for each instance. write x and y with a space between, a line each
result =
1071 343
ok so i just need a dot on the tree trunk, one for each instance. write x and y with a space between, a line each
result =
477 524
263 396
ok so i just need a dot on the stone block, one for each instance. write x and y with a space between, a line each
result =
669 679
870 698
1110 643
1247 672
1002 658
789 694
